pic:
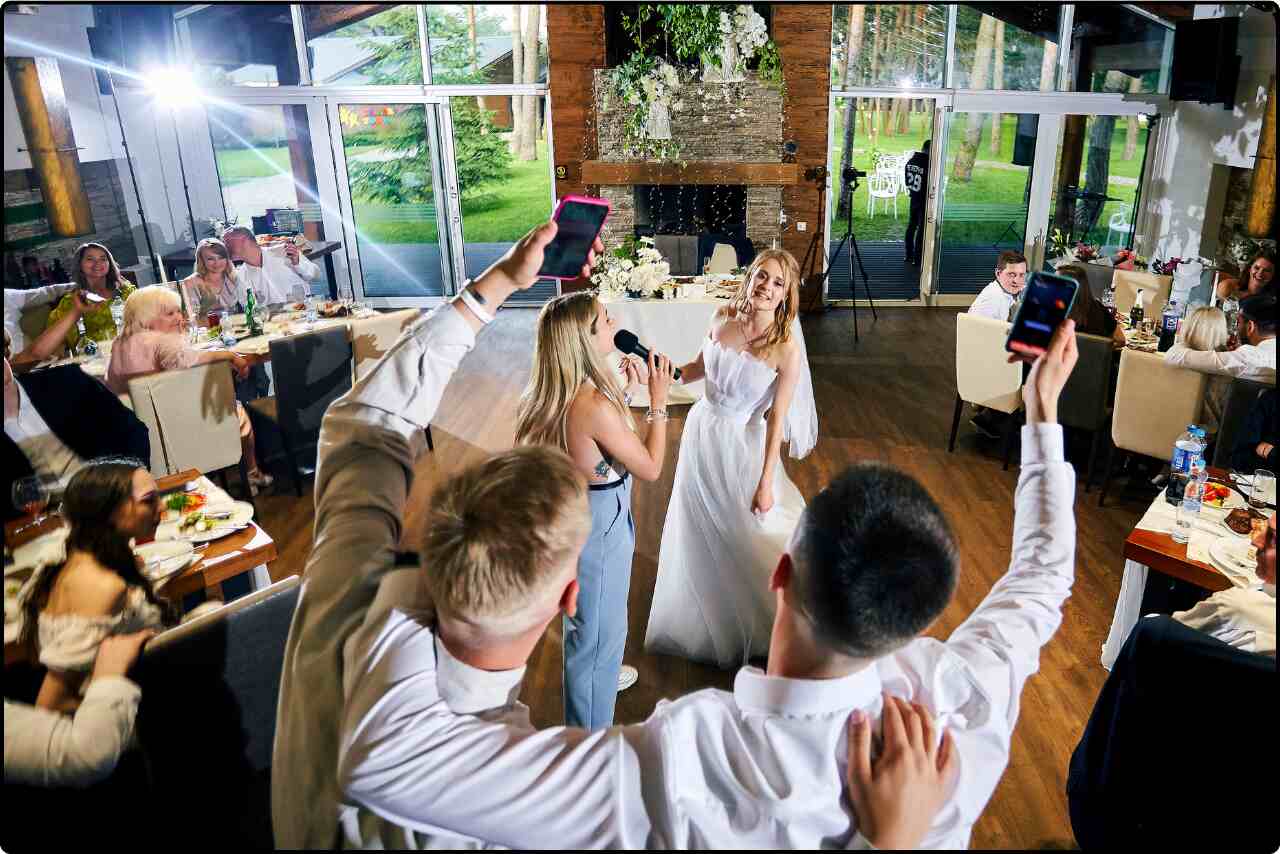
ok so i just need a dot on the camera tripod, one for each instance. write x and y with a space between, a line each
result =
849 176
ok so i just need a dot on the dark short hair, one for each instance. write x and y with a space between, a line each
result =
1261 309
875 561
1008 257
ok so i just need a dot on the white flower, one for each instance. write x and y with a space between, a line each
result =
633 97
677 106
669 75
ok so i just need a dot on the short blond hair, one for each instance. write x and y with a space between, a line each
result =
499 534
1205 329
146 304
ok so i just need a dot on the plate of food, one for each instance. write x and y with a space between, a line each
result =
178 504
215 522
163 559
1242 522
1220 495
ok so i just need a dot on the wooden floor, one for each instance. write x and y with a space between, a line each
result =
890 399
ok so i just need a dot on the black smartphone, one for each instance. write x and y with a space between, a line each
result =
580 219
1046 302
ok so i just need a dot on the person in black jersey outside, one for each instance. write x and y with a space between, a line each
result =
915 176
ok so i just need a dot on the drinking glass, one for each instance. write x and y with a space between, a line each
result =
31 495
1263 491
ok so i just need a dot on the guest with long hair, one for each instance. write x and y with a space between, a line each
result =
213 286
95 271
575 402
1204 330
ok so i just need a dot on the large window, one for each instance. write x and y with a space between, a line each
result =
1010 46
487 43
888 45
242 44
1116 50
357 45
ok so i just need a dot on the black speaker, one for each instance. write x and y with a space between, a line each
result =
1205 64
1024 140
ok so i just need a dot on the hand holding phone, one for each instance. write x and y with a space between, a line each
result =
1046 303
90 297
579 220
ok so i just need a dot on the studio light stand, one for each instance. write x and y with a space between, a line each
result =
850 178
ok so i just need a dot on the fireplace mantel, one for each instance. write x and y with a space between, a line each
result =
754 174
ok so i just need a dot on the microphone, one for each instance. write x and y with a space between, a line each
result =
627 342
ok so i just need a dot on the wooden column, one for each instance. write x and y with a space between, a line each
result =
1261 214
51 143
802 32
575 48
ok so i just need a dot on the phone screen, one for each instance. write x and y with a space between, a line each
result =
1046 303
579 224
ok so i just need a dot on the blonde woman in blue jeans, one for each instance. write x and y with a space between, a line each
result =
575 402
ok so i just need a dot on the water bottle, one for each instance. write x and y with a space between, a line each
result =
1168 325
1188 448
1109 298
1192 500
117 313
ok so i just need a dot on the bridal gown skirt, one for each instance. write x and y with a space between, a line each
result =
712 600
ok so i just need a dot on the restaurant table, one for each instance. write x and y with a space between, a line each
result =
675 327
220 560
319 249
257 349
1150 547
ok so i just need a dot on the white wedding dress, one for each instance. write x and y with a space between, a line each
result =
712 600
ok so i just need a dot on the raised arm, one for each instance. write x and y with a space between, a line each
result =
53 338
788 376
607 429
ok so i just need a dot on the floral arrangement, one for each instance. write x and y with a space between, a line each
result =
1168 268
635 268
648 86
1127 259
1085 251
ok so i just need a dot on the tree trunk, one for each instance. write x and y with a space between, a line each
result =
1047 63
997 82
1131 134
894 48
1069 169
518 130
529 142
853 51
475 52
979 76
1098 168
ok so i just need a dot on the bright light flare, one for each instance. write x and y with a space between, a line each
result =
173 88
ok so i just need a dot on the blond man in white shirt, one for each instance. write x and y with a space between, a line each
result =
871 566
273 276
1253 360
1243 617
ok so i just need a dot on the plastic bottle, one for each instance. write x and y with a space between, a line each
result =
1192 501
1109 298
117 313
1169 325
1186 450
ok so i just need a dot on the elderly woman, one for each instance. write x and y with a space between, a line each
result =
153 340
1205 330
96 272
213 285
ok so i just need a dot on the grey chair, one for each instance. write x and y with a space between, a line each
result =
1085 403
207 719
311 371
1239 401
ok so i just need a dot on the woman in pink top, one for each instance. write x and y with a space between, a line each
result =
153 340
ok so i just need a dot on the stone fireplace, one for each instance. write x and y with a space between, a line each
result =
723 130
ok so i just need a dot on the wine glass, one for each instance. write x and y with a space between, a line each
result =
31 495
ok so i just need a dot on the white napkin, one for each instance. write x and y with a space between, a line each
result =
1198 546
1161 517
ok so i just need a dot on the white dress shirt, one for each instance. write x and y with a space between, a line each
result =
16 301
761 767
993 302
46 748
275 281
49 456
1242 617
369 442
1246 362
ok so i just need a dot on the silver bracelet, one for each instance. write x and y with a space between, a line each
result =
472 301
626 398
654 414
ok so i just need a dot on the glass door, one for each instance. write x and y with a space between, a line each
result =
394 198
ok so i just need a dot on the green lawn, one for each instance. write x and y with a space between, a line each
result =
988 184
500 213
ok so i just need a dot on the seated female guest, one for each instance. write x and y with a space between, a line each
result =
213 285
96 272
1090 315
1258 276
1205 330
153 340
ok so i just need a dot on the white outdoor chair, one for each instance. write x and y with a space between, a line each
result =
882 185
1116 224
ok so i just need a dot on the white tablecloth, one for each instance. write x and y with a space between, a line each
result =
674 327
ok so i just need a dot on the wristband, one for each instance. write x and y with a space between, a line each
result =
655 414
470 301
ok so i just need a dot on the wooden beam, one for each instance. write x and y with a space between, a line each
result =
1260 216
323 18
51 143
754 174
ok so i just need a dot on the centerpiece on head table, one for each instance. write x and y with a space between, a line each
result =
635 269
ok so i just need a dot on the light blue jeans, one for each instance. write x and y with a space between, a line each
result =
596 636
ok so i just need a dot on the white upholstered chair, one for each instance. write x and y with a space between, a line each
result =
1155 292
984 376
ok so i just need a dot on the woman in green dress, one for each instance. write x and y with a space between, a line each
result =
95 271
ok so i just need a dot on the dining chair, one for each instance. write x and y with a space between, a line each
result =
311 371
1240 400
882 185
1154 404
1119 224
984 376
191 415
724 258
1085 402
1155 292
207 719
372 337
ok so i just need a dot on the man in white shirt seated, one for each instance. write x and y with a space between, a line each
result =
996 299
274 277
871 565
1253 360
1243 617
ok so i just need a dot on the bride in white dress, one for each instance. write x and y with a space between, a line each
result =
733 508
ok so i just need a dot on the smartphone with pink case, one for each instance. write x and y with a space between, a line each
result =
580 219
